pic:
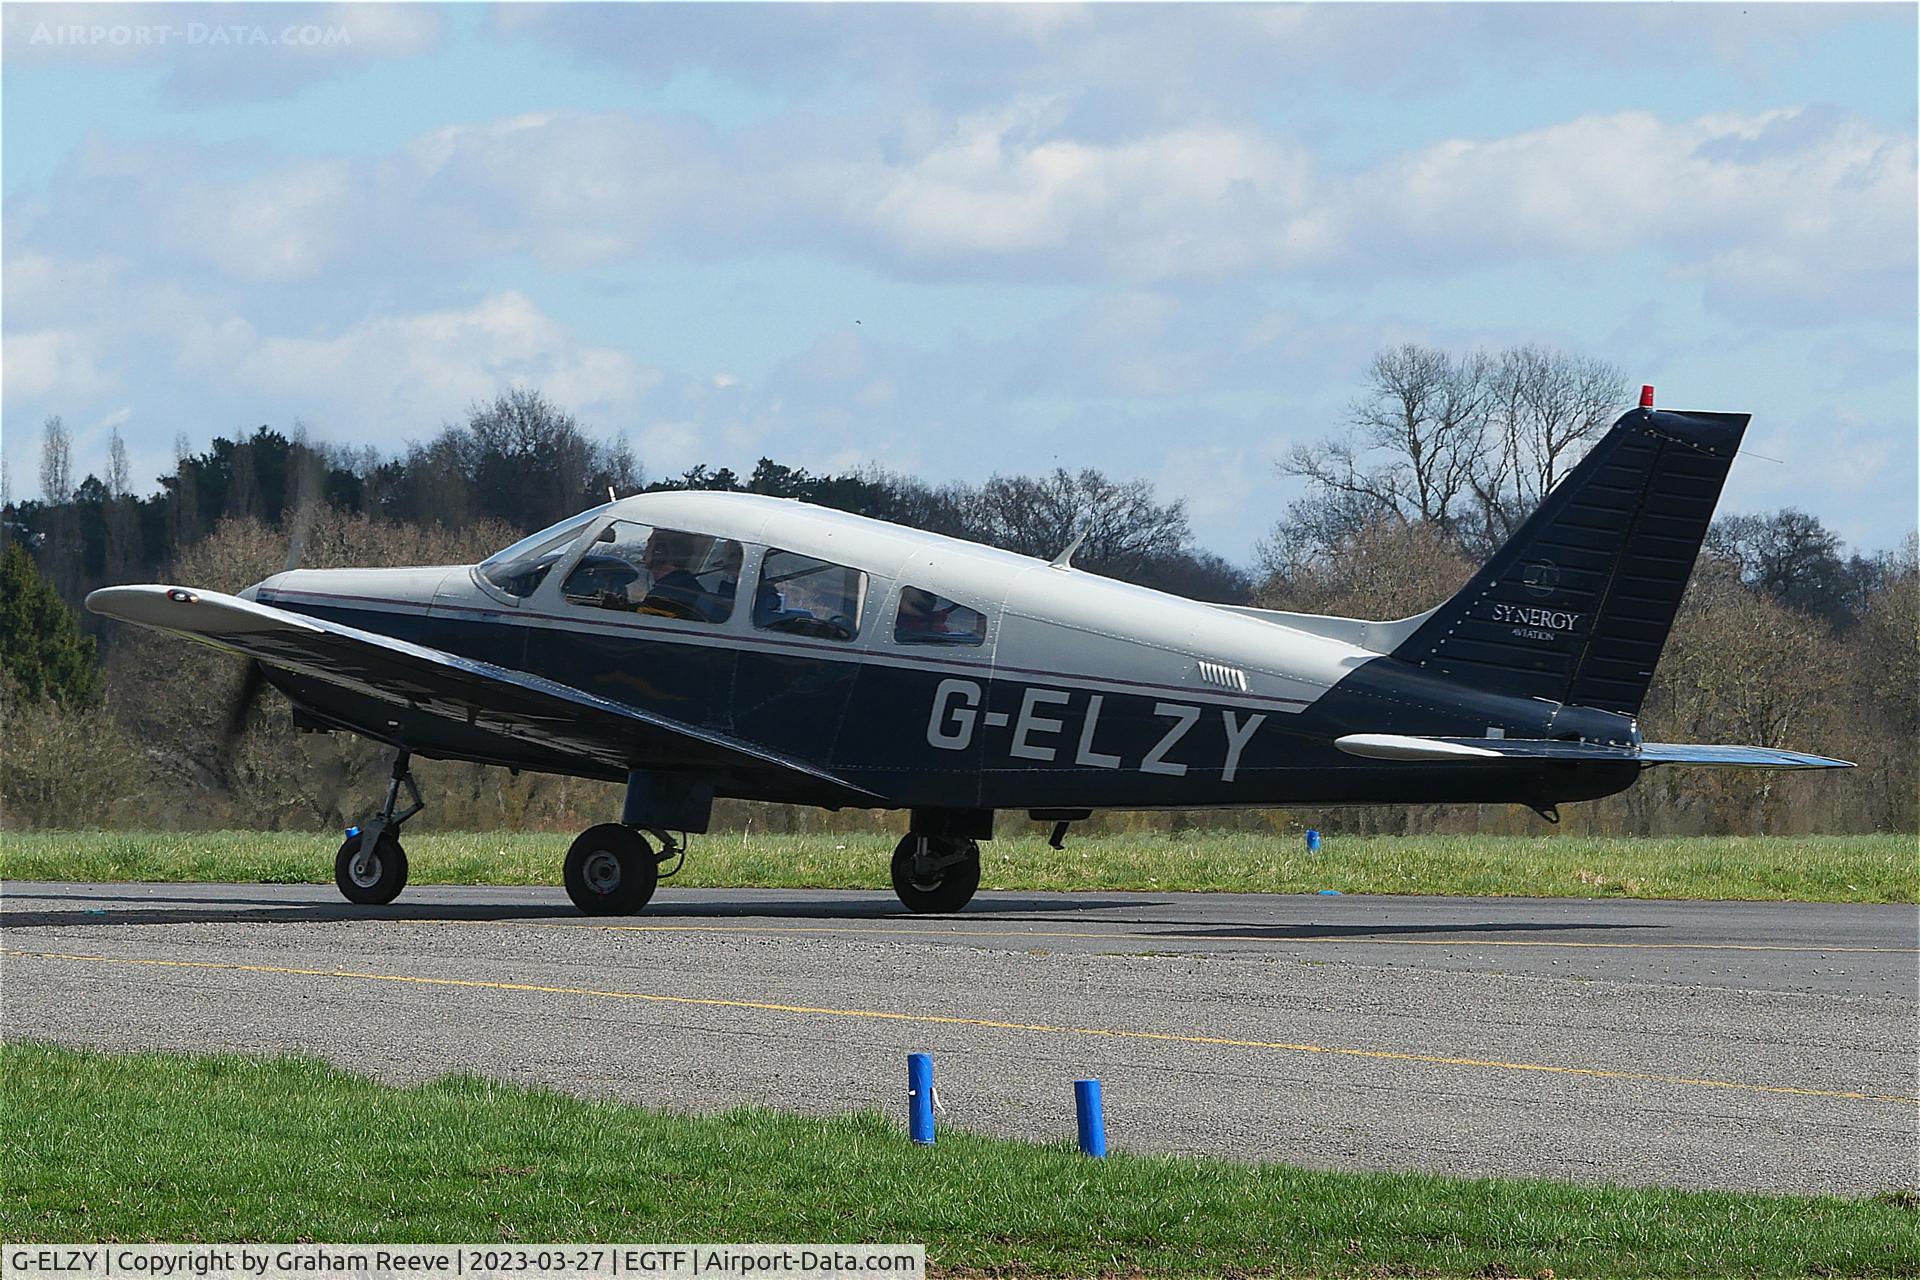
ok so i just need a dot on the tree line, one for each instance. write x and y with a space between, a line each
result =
1786 638
524 462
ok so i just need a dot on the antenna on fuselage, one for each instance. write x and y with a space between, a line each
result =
610 494
1065 559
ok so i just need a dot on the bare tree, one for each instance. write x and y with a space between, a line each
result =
1419 433
1545 408
1122 524
1738 667
1387 569
56 462
1468 443
121 516
119 473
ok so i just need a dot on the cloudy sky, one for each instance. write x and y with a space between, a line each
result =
1159 241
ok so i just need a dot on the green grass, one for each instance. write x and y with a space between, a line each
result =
154 1146
1875 868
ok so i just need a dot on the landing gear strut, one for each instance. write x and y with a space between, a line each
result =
371 867
935 873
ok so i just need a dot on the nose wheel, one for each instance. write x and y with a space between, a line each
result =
371 873
371 867
935 874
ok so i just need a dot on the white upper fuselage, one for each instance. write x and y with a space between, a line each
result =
1057 622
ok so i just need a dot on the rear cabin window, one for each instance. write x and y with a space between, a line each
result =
664 573
926 618
808 597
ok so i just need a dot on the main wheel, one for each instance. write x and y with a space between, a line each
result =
610 871
948 886
373 878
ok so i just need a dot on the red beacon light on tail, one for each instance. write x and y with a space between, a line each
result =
1646 397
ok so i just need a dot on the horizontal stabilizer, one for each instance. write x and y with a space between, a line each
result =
1395 746
1735 757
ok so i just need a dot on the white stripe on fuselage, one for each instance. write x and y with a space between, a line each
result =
738 642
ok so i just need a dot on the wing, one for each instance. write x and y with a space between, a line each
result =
446 685
1395 746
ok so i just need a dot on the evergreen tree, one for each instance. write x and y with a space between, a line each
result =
42 652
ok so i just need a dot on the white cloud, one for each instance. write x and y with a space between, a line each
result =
40 287
668 447
415 368
1180 203
1786 205
51 362
1744 191
288 225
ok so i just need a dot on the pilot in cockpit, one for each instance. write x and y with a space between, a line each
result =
674 589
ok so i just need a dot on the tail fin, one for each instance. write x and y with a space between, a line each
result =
1577 604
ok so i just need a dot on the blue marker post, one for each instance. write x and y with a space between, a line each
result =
920 1098
1093 1124
1313 841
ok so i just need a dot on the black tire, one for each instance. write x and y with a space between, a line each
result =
950 890
380 880
610 871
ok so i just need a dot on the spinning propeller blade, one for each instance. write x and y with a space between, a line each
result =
254 679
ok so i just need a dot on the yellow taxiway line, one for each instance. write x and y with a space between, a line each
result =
946 1020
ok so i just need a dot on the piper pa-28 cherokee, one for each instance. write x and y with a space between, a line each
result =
696 645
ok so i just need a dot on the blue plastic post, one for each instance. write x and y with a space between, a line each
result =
920 1098
1313 841
1093 1124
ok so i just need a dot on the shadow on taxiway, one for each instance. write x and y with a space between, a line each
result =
183 908
173 908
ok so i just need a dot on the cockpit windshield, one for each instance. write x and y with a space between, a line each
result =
519 570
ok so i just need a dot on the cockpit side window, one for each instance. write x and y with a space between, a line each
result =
926 618
519 570
665 573
808 597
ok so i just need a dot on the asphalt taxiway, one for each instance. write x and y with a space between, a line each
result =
1760 1046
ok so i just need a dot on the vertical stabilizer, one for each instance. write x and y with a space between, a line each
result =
1577 604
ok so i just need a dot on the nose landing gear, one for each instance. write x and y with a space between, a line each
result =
371 867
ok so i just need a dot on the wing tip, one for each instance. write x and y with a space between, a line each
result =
188 610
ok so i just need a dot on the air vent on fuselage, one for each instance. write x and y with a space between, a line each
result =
1223 677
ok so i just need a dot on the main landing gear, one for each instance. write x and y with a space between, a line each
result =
611 870
371 867
934 874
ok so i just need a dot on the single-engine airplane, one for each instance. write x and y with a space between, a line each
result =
695 645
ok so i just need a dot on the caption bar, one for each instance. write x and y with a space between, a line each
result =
470 1261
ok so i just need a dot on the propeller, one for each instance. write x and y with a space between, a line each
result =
254 678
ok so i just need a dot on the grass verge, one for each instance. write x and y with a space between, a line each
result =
155 1146
1873 868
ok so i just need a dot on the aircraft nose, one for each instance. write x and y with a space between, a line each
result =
349 588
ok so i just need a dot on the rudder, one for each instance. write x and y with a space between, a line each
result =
1577 604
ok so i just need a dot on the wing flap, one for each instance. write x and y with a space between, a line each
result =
445 684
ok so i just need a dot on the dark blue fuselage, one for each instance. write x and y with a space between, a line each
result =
953 729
